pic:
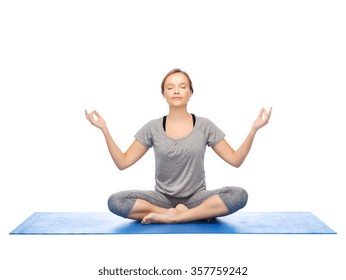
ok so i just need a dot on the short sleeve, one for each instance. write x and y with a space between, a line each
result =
215 135
144 135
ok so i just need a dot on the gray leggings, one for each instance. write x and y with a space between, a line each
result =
121 203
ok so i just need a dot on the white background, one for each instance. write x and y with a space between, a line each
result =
60 57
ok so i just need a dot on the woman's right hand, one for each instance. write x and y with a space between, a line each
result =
95 119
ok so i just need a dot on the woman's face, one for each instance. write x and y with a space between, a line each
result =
177 90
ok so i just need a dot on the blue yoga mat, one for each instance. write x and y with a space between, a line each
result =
238 223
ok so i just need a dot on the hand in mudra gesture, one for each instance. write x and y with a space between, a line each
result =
96 119
262 119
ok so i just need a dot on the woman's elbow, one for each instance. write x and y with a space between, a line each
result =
236 165
124 165
121 166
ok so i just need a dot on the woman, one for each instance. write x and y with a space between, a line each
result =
179 141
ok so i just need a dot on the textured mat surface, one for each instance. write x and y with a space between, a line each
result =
238 223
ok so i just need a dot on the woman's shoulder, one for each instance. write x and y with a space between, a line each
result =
153 123
203 120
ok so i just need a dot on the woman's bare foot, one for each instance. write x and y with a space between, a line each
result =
181 208
171 216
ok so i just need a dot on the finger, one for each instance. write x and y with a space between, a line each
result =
97 115
269 114
270 111
261 113
91 117
87 115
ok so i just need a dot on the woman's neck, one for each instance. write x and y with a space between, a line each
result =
178 113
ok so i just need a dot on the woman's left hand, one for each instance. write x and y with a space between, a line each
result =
262 119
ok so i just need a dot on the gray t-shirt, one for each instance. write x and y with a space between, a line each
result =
179 164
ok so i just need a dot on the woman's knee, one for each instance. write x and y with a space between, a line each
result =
235 198
242 194
121 203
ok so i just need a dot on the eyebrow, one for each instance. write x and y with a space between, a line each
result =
183 83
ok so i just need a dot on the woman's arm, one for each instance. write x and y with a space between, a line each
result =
236 158
121 160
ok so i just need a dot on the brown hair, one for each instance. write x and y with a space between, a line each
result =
176 70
